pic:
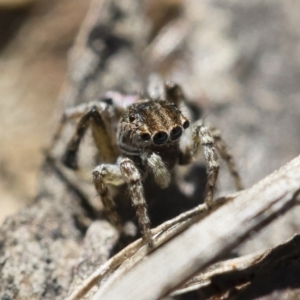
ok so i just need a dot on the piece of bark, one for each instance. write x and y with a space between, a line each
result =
97 246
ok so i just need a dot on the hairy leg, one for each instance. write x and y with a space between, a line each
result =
97 115
92 118
134 181
72 113
201 136
227 157
108 174
174 93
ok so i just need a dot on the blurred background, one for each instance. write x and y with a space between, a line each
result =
239 61
35 37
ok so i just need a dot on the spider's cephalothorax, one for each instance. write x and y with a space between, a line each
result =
137 137
151 127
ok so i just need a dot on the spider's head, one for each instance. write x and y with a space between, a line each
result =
151 123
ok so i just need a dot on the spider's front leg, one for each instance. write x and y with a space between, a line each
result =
227 157
133 179
211 139
201 136
116 175
103 175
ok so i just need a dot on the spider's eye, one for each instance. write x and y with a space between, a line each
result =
160 138
186 124
176 133
131 118
145 136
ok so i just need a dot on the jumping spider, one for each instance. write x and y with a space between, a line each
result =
143 137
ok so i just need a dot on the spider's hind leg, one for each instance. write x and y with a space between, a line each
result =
174 93
211 141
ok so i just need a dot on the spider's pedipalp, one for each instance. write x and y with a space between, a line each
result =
158 167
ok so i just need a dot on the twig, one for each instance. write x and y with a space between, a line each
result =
239 271
204 278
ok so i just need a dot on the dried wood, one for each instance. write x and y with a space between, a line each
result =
182 257
246 272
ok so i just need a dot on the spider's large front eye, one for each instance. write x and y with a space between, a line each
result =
145 136
176 133
160 138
